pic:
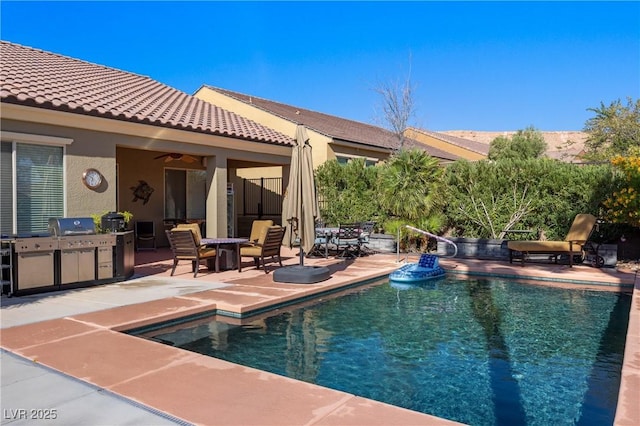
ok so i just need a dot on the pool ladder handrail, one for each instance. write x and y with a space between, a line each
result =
436 237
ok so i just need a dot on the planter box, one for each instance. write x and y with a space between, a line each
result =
609 253
382 243
487 249
476 248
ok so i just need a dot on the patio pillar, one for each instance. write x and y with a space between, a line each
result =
216 196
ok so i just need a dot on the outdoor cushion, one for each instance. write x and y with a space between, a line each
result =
255 251
195 229
259 228
544 246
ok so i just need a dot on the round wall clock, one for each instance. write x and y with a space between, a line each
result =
92 178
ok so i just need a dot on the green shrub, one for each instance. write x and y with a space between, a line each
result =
472 199
347 192
484 199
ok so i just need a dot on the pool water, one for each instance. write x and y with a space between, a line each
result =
477 351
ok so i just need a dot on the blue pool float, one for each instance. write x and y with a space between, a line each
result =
426 269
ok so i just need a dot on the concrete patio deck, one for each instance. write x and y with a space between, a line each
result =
64 351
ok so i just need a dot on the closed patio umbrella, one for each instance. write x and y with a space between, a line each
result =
299 212
300 205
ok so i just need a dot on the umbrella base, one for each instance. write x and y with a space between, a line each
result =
299 274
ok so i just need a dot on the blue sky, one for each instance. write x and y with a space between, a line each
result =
475 65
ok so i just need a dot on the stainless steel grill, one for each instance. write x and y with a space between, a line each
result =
78 242
66 226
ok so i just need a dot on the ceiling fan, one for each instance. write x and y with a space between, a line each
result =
176 156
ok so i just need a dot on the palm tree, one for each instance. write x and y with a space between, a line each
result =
408 185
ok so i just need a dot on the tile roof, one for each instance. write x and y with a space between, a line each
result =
332 126
41 79
473 146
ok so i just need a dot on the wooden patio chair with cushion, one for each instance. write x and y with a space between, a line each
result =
268 245
571 246
184 247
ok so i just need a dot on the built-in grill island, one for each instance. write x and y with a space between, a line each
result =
71 255
83 254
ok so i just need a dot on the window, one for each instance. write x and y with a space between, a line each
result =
368 162
36 174
185 194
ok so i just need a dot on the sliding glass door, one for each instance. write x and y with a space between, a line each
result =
185 194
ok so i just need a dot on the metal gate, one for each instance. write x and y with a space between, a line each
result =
262 196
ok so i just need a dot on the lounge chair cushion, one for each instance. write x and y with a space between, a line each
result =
544 246
581 228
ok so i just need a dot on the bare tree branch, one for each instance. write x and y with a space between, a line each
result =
398 106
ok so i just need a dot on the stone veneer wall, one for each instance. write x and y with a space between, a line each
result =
382 243
476 248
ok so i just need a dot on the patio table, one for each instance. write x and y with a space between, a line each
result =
217 242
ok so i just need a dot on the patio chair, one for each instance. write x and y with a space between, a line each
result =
347 240
366 229
184 247
268 245
145 233
572 245
195 230
320 246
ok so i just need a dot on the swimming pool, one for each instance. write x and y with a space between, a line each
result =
478 351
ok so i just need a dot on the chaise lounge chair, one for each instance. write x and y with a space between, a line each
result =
572 245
